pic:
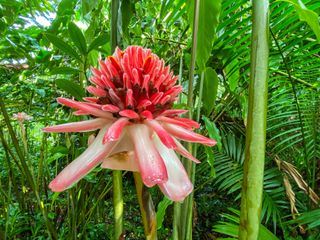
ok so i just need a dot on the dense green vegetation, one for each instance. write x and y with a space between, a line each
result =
46 51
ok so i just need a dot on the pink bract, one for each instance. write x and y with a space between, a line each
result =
134 92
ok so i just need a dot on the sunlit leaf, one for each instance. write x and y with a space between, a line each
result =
161 210
209 13
77 37
306 15
210 88
98 41
70 87
63 46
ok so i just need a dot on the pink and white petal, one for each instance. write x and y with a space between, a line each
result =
114 132
80 113
146 114
173 112
84 107
188 121
184 152
164 136
174 121
151 166
82 126
110 108
83 164
187 135
178 185
129 114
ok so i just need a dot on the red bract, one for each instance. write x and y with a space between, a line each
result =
138 131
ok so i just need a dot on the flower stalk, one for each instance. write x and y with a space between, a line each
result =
183 230
147 210
252 187
116 174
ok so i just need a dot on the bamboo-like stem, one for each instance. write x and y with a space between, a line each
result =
147 210
117 204
116 175
177 206
184 228
252 187
200 97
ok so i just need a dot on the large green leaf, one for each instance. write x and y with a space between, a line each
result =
161 210
127 9
87 6
63 46
230 227
209 13
77 37
98 41
306 15
70 87
210 88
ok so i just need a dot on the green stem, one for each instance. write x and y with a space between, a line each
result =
115 4
200 96
117 204
147 210
117 176
252 187
182 229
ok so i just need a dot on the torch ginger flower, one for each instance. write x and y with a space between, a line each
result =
138 131
21 117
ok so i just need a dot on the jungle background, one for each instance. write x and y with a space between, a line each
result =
46 51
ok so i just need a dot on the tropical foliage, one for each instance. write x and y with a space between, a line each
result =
47 50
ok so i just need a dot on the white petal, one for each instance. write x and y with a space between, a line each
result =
178 185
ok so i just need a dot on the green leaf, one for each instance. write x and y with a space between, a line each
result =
210 88
210 160
213 131
161 210
306 15
209 13
66 7
63 46
55 157
232 74
87 6
70 87
77 37
127 8
98 41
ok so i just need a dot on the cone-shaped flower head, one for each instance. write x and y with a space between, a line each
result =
138 131
21 117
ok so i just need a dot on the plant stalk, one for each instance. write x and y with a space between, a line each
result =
117 204
252 187
116 175
147 210
183 229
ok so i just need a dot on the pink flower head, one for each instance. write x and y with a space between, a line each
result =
138 131
22 116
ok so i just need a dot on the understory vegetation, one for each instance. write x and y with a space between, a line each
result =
46 51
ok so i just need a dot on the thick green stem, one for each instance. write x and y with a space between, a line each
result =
117 204
115 4
183 229
177 206
117 175
252 188
147 210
